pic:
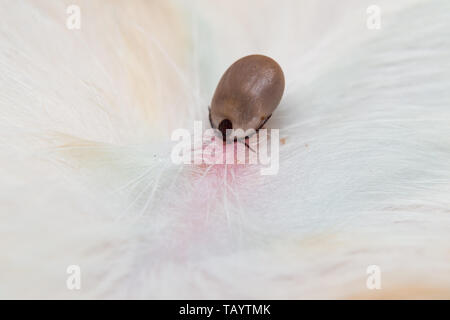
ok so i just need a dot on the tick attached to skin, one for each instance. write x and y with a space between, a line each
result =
246 96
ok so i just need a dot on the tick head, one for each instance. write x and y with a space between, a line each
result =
225 125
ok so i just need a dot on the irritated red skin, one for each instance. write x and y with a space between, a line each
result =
214 176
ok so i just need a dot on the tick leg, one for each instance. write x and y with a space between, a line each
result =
210 121
264 122
244 142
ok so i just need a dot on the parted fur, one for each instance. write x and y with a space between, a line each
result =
86 177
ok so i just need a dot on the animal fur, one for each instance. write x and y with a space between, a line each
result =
86 177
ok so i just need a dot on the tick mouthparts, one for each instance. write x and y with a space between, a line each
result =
225 125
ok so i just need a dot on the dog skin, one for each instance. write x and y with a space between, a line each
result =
86 117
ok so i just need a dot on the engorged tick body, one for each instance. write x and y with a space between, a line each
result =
247 94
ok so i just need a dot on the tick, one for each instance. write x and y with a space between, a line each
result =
246 96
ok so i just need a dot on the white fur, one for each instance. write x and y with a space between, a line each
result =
86 176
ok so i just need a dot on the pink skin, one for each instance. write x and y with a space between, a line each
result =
211 184
213 180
